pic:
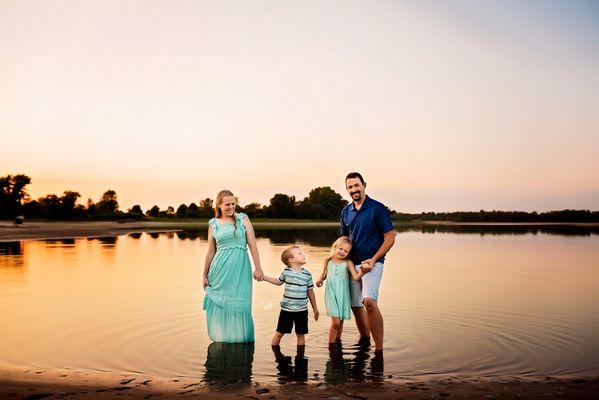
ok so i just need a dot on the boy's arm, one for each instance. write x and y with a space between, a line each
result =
313 303
274 281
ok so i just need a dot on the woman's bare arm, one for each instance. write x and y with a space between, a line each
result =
251 239
209 256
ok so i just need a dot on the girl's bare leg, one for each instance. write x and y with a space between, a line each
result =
340 330
333 329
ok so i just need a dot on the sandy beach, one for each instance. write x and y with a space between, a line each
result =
37 383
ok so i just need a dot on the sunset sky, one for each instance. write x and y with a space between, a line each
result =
445 106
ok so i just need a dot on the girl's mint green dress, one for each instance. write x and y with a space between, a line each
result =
336 294
228 299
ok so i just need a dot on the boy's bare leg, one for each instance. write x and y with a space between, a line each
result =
361 322
276 339
375 322
301 339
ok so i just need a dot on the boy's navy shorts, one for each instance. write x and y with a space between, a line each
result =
289 318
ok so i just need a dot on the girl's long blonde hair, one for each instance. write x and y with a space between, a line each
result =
341 240
218 212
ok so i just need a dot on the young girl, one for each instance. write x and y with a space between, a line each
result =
336 271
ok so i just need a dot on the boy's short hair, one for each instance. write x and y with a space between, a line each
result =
287 254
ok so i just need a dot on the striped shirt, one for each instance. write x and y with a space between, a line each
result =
297 284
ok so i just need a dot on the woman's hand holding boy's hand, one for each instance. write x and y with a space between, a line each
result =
258 275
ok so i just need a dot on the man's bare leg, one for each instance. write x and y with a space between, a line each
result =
375 322
361 322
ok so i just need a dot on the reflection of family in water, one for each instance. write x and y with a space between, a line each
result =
230 363
352 274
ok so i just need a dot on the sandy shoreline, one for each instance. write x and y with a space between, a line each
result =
37 383
33 230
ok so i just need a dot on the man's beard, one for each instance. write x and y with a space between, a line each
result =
356 194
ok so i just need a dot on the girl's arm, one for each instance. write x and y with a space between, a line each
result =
323 276
251 239
274 281
209 256
357 275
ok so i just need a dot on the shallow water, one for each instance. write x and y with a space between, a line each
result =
482 301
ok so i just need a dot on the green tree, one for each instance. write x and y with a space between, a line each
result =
326 202
50 205
153 212
205 208
192 211
68 202
91 207
254 210
136 209
181 210
281 206
13 194
108 202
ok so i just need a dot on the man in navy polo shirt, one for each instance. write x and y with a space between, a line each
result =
368 224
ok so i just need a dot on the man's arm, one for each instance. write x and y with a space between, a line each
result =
388 242
384 223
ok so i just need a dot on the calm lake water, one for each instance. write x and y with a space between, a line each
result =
457 301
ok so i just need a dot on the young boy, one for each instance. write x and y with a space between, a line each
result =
298 289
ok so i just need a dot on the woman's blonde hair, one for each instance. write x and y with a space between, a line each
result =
339 242
218 212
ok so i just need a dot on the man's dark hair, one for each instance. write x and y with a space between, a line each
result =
355 175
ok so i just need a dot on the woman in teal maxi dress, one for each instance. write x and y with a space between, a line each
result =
228 297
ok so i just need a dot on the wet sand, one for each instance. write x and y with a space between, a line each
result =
36 383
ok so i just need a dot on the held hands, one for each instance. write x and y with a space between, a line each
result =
367 265
316 314
319 283
259 275
365 268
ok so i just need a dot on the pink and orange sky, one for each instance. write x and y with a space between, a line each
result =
442 105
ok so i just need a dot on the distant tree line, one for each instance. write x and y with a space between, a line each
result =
322 203
502 216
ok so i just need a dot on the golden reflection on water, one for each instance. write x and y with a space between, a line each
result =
453 304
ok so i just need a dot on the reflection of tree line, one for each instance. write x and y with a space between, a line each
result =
562 230
324 236
11 248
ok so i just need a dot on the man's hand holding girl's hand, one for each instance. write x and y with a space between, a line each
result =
365 267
